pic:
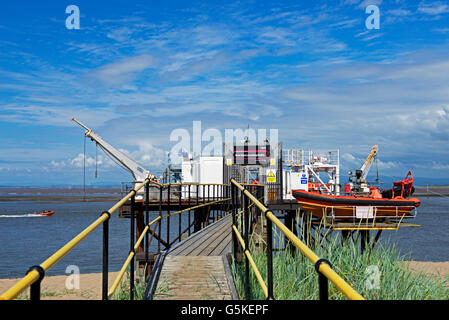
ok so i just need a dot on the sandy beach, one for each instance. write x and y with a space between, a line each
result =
54 288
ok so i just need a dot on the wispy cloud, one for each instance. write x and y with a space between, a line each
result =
122 71
433 8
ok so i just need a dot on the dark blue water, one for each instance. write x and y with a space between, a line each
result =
28 240
430 242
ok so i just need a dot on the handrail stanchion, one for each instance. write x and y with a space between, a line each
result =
147 220
246 234
196 213
104 294
168 215
323 284
208 209
190 218
131 245
234 221
161 193
269 257
35 288
180 215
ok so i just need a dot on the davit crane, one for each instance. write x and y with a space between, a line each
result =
358 178
138 171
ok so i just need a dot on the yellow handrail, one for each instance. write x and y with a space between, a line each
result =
33 275
324 268
132 253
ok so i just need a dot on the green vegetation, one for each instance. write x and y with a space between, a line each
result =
122 292
295 278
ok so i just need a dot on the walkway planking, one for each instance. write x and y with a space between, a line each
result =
195 269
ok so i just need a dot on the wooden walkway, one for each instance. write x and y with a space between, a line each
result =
197 269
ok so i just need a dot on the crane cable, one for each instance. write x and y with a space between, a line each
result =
96 160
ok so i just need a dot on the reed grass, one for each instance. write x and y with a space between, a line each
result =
122 293
294 276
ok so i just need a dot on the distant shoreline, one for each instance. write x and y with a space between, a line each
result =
102 194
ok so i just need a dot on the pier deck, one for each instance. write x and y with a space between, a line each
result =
197 268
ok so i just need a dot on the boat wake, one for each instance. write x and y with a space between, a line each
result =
28 215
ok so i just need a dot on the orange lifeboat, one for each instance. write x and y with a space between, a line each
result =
395 202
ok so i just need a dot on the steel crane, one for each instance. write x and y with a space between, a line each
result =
138 171
359 176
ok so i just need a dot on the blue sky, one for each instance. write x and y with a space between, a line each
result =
137 70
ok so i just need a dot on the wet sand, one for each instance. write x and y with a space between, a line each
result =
54 288
62 195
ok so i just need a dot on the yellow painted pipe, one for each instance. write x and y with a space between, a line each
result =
33 276
142 235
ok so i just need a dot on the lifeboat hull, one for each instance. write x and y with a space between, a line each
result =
348 207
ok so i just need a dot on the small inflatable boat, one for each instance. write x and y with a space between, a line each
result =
44 213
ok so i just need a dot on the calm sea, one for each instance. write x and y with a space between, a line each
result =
28 240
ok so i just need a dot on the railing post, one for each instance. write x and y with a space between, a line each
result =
104 293
160 221
131 247
35 288
246 234
190 218
147 220
323 283
179 214
269 256
208 208
234 220
168 216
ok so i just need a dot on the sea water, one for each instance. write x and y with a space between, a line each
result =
28 240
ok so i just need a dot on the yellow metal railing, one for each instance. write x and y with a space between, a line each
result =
34 275
138 242
323 267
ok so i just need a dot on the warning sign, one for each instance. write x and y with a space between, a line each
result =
271 175
228 162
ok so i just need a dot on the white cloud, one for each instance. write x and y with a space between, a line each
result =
367 3
124 70
433 8
439 166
